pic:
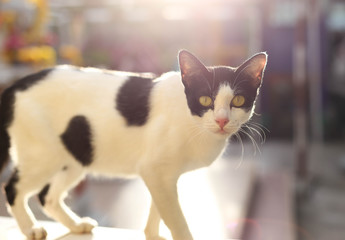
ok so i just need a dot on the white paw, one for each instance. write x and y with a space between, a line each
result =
84 226
36 233
154 238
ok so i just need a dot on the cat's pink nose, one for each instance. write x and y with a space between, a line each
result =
222 122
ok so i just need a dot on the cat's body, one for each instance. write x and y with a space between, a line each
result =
118 149
63 123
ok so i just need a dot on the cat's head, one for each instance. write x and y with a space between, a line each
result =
221 98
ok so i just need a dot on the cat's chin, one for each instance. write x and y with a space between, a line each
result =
223 133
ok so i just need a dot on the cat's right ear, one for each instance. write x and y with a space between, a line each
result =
253 68
189 66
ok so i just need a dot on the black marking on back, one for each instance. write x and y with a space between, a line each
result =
77 140
30 80
42 195
7 109
10 188
133 100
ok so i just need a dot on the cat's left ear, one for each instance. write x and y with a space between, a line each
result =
253 68
189 66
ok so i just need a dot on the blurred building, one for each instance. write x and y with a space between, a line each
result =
146 35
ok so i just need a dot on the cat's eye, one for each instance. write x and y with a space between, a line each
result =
238 101
205 101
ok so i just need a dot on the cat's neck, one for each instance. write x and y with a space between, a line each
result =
171 113
172 105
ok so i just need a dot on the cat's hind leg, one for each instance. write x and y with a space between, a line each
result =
18 190
52 199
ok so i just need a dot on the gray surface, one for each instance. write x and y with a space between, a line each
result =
322 210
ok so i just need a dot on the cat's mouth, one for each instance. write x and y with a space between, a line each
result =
226 131
222 132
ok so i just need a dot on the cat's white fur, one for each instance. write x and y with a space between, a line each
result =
171 142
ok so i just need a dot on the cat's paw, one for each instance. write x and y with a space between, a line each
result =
155 238
36 233
84 226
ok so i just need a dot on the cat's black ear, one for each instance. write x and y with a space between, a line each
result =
189 66
253 68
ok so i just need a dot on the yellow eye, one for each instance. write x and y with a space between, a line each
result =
238 101
206 101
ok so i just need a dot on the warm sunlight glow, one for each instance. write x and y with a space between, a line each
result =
199 206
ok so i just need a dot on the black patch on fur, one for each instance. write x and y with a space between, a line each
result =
64 168
7 109
77 139
133 100
208 84
200 84
30 80
42 195
10 188
239 82
200 80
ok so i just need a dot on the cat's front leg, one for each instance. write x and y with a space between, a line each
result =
163 188
152 226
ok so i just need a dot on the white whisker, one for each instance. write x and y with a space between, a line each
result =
253 130
242 151
255 145
259 127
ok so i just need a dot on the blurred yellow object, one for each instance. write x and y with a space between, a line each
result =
8 17
72 54
35 31
42 55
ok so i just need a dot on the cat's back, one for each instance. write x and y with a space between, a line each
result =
57 95
63 90
68 84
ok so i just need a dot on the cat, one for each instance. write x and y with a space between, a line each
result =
65 122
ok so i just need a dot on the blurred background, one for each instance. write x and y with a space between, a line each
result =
290 186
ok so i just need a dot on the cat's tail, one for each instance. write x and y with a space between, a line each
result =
5 116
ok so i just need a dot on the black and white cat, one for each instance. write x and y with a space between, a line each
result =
62 123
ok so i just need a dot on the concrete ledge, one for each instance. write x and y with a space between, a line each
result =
271 214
